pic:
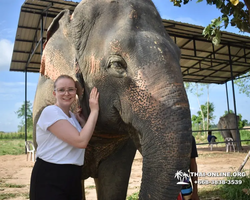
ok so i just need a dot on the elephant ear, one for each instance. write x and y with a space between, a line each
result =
54 26
59 55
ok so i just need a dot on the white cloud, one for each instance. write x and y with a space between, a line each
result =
14 90
6 48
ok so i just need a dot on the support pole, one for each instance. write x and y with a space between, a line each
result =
227 98
238 139
25 112
41 36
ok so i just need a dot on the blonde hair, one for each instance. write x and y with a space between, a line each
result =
63 76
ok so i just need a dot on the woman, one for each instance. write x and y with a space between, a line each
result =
61 144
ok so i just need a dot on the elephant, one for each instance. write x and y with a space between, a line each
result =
228 122
121 48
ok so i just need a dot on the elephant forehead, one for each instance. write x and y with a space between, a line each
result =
109 17
146 46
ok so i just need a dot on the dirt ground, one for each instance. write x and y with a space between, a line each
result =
16 170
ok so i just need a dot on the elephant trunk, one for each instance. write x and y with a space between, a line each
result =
165 137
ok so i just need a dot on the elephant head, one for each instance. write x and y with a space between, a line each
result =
229 122
122 48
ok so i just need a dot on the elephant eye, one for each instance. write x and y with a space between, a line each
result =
117 66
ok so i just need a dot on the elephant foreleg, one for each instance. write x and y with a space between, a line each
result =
114 173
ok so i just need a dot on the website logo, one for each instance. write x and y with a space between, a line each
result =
181 176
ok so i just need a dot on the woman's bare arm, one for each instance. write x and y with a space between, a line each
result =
65 131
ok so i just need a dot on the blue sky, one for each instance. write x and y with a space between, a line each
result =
12 83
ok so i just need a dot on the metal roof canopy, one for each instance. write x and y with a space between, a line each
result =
34 20
200 62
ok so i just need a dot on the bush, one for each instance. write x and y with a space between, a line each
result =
236 191
245 135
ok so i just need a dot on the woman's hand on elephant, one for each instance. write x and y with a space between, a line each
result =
93 100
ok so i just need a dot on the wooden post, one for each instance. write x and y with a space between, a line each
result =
244 162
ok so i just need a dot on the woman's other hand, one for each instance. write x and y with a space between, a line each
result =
93 100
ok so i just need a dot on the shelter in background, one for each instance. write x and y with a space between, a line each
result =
201 61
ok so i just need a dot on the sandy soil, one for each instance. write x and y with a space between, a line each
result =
17 170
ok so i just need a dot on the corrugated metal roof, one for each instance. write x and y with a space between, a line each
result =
28 34
201 61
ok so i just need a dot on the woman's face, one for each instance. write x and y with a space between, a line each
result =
65 92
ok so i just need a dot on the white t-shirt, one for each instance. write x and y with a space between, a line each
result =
52 149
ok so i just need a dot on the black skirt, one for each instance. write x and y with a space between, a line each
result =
55 181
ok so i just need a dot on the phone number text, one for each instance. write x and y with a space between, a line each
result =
219 182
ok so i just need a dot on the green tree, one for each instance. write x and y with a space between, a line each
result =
243 83
197 90
196 121
207 110
21 114
233 12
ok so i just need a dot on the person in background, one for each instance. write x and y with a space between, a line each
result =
211 137
62 138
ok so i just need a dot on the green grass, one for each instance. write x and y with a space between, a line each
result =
227 191
210 192
90 187
245 135
15 135
8 195
13 143
12 146
11 195
236 191
9 185
133 196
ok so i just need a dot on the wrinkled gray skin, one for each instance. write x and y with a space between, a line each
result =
122 48
228 122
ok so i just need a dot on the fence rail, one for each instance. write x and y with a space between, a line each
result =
235 141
